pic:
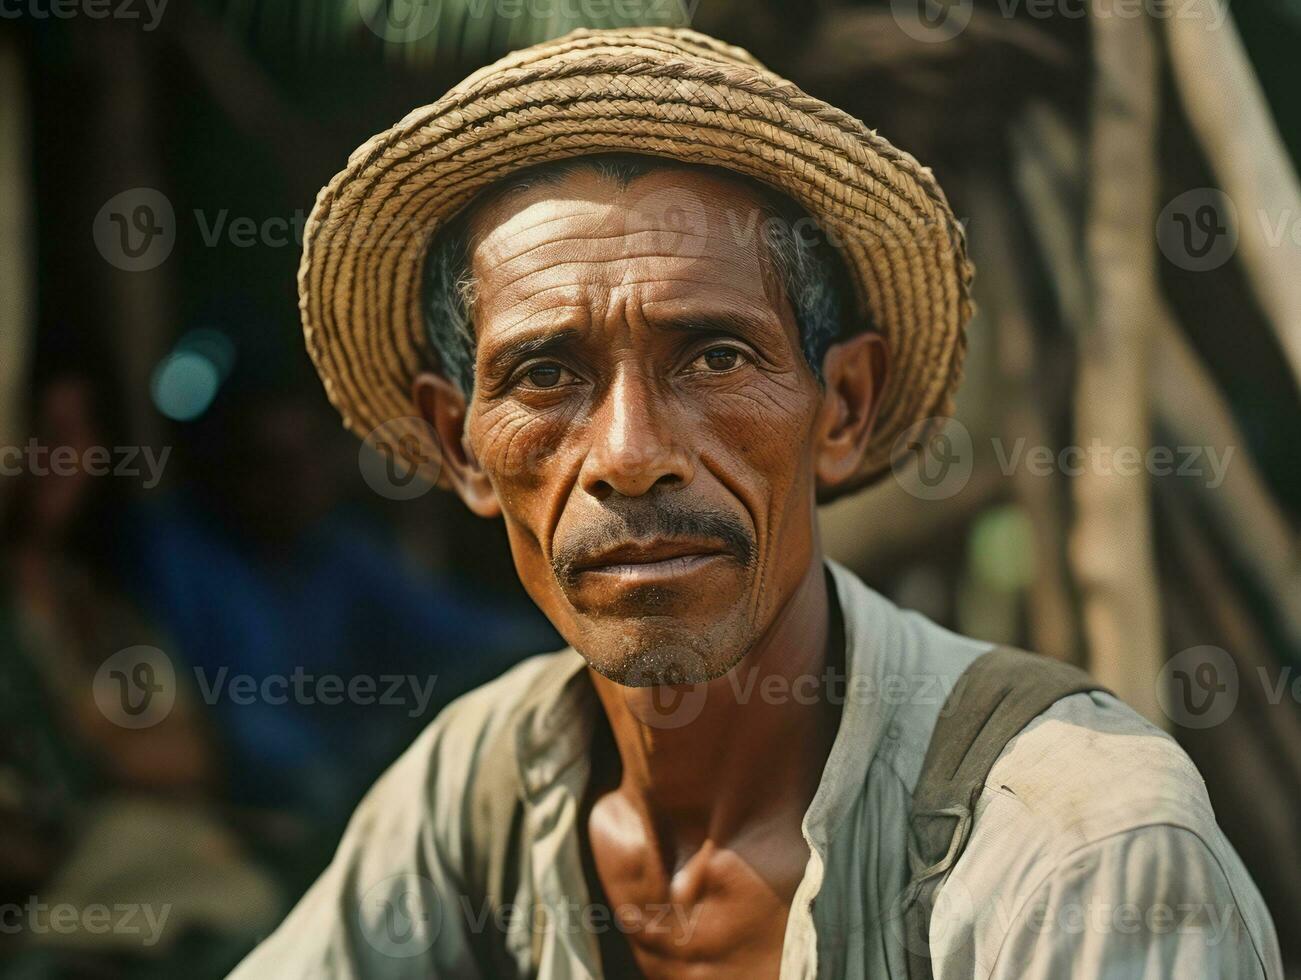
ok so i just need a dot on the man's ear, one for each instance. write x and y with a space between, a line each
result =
442 404
854 371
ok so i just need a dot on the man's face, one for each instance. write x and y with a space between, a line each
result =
644 414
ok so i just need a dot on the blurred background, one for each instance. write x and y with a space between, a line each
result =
220 618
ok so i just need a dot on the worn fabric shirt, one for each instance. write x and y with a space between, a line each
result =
1094 852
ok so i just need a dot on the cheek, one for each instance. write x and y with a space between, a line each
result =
519 449
764 428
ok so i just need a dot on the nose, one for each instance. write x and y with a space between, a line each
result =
633 446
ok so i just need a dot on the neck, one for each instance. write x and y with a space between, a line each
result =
759 742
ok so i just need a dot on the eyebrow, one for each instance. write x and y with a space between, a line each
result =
510 353
715 321
501 359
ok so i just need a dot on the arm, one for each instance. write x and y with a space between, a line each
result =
389 904
1156 901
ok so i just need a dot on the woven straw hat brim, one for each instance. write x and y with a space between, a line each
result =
656 92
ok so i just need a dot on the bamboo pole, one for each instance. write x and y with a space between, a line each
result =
1000 291
1111 542
1227 110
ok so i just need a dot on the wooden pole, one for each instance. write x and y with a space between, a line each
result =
1111 541
1227 110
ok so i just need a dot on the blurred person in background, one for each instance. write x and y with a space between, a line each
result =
260 570
93 811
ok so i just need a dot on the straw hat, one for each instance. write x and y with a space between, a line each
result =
652 91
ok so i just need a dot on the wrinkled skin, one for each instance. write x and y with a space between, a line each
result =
645 423
671 379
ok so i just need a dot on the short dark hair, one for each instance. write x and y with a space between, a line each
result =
810 272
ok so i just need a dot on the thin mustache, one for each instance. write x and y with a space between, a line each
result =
653 521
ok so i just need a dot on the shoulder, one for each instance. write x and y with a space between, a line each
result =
466 737
419 808
1095 843
403 852
1090 766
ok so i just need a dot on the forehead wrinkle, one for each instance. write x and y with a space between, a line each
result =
554 317
593 238
488 230
721 274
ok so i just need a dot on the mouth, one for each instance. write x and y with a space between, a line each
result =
652 561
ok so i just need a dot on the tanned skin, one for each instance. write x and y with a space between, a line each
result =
644 422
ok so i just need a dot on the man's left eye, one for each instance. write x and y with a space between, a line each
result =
720 358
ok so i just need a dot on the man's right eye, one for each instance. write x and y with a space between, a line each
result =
544 375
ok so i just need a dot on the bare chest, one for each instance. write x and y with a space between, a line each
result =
712 910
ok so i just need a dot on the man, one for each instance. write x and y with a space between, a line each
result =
671 304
